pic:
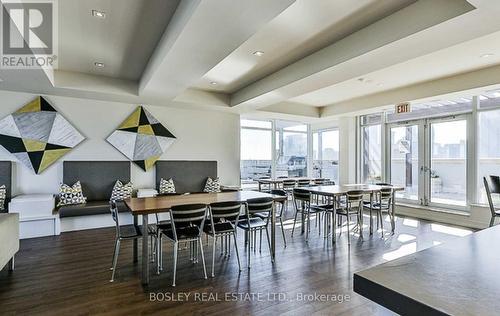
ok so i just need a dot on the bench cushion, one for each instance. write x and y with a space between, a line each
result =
89 208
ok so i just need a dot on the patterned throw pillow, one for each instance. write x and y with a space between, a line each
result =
3 196
167 186
71 195
121 191
212 185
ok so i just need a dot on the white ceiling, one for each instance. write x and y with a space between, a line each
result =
315 53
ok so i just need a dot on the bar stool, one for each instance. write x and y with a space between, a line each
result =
492 186
353 206
223 218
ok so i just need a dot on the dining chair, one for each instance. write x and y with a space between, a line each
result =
253 221
382 203
129 232
224 217
492 186
353 206
304 182
302 200
265 187
186 224
289 185
280 214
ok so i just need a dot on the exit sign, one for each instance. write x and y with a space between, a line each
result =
403 108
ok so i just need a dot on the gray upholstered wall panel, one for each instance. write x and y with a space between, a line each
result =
6 178
188 176
97 177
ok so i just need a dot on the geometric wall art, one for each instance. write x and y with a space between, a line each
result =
141 138
37 135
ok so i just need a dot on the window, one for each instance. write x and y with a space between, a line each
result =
326 155
404 159
488 149
255 149
291 149
371 149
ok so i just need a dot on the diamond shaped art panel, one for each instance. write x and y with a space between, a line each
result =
37 135
141 138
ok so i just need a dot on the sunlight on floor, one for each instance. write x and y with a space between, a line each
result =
406 238
401 251
436 243
461 232
410 222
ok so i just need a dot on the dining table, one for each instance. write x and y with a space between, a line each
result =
161 204
335 191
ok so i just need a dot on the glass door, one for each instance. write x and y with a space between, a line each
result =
404 159
447 163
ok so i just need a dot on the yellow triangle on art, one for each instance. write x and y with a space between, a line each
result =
33 106
145 129
132 120
34 145
51 156
150 162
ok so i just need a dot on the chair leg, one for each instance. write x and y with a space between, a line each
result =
237 252
202 258
283 231
249 251
260 245
308 226
348 232
294 221
115 259
158 254
176 248
268 240
492 221
382 222
213 255
11 264
254 240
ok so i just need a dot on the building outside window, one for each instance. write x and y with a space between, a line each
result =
326 154
255 151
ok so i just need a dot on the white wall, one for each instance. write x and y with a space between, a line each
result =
201 135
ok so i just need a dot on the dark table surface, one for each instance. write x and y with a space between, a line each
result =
461 277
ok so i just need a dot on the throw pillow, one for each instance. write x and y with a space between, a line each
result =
212 185
167 186
121 191
3 196
71 195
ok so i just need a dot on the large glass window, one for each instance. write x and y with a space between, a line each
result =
291 149
371 153
255 150
488 149
326 155
404 161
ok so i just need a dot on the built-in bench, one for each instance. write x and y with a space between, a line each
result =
97 179
188 176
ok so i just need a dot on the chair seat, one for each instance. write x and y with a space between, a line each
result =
343 211
265 215
130 232
321 207
224 227
497 213
183 233
254 222
376 205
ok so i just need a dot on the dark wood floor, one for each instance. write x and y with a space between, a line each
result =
69 275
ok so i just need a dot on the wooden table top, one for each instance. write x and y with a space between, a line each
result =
159 204
343 189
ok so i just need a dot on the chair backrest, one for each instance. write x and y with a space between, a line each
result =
491 185
278 192
289 183
188 215
386 193
304 182
259 205
301 195
384 184
320 181
225 211
354 196
113 208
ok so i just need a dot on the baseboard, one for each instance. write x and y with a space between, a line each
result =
69 224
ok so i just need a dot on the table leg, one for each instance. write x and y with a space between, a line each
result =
273 232
334 221
302 218
136 242
260 186
145 251
393 223
371 217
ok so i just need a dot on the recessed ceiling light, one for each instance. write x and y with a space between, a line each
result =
99 65
99 14
213 83
258 53
487 55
